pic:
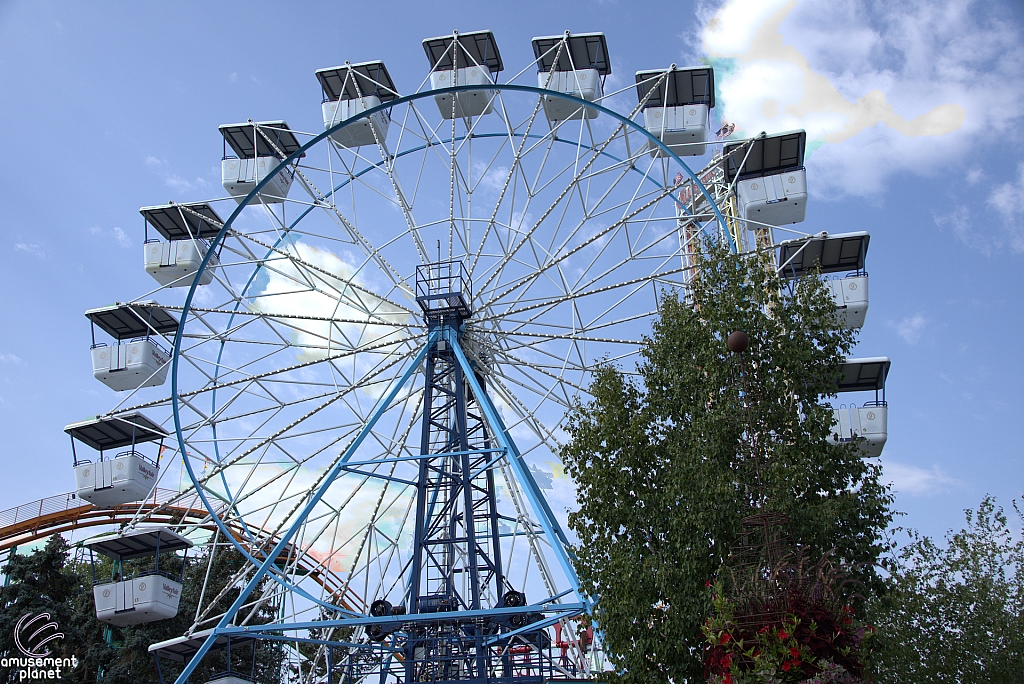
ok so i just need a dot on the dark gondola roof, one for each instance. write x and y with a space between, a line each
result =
582 51
372 78
679 87
138 319
830 253
476 47
137 543
115 432
175 222
864 374
248 143
773 154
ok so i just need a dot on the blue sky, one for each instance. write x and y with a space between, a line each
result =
109 107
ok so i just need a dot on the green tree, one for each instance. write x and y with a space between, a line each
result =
42 582
955 614
664 476
49 581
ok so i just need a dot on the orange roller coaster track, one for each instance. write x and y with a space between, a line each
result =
65 513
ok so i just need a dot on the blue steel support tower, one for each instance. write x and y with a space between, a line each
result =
456 564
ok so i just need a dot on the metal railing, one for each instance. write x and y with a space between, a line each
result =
62 503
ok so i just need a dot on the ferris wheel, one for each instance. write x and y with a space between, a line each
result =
371 344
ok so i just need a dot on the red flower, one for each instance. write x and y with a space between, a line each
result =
707 584
794 652
763 630
786 665
727 679
783 634
727 662
726 638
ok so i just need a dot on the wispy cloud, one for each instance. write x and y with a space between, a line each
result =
916 481
176 182
9 358
959 222
173 180
32 248
121 237
911 327
115 233
977 229
1007 200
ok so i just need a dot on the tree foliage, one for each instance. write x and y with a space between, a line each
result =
955 614
663 476
43 583
50 581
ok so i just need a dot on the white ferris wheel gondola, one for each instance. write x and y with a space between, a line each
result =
868 422
149 595
771 182
188 228
677 104
572 64
136 358
130 475
463 59
257 150
350 90
833 254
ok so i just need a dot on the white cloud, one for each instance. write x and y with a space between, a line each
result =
911 327
916 481
178 183
1007 200
293 288
121 237
881 87
32 248
118 235
959 221
9 358
492 178
173 180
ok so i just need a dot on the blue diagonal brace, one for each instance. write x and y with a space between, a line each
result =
378 411
548 522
